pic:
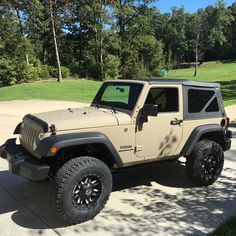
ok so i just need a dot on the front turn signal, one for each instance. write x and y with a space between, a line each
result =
53 150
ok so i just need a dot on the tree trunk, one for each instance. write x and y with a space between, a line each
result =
59 79
101 42
121 33
169 55
27 59
101 58
22 34
121 50
196 55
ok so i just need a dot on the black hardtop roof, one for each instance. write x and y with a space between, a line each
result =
182 82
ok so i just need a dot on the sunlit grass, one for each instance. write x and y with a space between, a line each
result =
69 90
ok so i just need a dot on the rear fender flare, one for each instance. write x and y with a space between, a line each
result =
196 135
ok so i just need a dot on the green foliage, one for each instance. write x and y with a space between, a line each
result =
65 72
109 39
35 72
112 64
151 52
7 72
52 71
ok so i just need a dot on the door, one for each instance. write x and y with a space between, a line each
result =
159 136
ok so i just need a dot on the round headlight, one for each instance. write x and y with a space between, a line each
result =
41 136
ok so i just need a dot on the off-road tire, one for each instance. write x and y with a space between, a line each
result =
71 176
205 163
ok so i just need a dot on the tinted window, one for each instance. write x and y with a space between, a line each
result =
167 99
213 107
197 99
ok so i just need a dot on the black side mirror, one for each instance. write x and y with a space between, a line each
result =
150 110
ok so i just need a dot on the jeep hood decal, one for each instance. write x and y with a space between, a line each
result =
79 118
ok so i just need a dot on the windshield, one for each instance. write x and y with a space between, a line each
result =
118 95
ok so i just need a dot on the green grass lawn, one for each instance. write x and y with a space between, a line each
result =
209 71
69 90
84 90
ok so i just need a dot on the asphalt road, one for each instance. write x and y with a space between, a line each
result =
152 200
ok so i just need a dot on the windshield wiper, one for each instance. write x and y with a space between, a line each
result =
96 105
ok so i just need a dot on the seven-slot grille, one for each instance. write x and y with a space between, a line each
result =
30 132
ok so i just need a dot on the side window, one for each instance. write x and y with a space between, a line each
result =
214 106
167 99
198 99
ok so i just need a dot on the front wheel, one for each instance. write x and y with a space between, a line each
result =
205 163
81 189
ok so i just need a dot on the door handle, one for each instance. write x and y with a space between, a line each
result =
176 122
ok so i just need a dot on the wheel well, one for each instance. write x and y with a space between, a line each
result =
96 150
216 136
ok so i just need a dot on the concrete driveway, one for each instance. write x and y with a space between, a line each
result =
152 200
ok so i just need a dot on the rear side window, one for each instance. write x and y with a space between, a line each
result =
202 103
197 99
167 99
214 106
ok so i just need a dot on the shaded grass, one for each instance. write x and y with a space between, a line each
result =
227 229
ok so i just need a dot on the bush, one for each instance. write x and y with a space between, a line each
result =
65 72
7 72
135 70
52 71
43 72
111 68
32 73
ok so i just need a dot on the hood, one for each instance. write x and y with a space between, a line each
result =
80 118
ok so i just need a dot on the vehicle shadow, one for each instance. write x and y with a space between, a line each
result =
167 174
146 200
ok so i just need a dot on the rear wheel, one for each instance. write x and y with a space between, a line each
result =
205 163
81 189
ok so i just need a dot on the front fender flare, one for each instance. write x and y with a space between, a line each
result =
68 140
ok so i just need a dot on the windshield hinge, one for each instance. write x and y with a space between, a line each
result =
53 129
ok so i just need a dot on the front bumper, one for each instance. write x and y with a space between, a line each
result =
22 163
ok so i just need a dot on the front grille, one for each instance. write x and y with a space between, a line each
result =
30 132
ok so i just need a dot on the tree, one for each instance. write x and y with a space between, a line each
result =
171 30
231 35
103 39
125 14
210 28
55 41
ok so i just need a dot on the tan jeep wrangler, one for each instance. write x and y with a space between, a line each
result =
128 123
